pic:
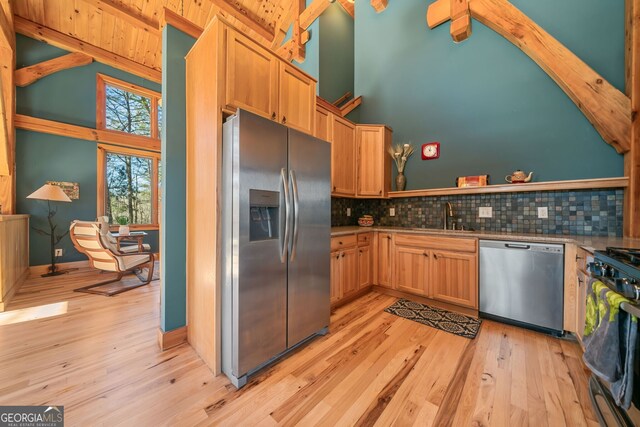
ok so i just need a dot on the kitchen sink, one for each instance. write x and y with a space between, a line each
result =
440 230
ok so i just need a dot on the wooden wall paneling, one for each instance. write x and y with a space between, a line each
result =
108 137
204 135
62 41
632 81
27 75
127 15
608 109
14 255
7 144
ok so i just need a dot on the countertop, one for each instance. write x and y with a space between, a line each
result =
589 243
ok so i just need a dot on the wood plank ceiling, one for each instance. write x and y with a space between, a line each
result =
129 28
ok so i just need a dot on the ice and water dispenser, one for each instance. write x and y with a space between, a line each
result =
264 215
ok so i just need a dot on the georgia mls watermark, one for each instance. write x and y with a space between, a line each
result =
31 416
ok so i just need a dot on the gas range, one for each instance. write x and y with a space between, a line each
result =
620 269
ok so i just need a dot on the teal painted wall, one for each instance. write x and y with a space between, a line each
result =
491 107
68 96
175 46
336 52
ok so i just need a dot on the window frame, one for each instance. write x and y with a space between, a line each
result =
102 81
103 149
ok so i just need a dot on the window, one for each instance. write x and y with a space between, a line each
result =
128 186
127 108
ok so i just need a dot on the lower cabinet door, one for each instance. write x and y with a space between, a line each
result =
454 278
336 277
364 267
411 269
384 260
349 261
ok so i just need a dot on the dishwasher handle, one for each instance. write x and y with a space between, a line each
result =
517 246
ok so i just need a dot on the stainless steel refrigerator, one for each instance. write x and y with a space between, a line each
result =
276 232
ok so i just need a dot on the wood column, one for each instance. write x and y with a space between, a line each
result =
7 143
632 86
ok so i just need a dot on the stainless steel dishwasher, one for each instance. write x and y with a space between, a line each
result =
522 283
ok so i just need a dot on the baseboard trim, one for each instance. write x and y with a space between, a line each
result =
425 300
36 270
170 339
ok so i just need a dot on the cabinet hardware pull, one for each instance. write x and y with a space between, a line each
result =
389 237
273 115
578 257
284 119
380 192
338 256
339 242
435 256
342 254
334 188
426 254
580 281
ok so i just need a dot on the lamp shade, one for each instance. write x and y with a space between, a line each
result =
49 192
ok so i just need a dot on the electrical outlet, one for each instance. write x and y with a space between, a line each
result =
543 212
392 211
58 252
485 212
348 211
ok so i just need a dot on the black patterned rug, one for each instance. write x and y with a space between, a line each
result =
448 321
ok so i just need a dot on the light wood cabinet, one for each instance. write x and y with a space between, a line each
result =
454 278
364 266
323 124
343 157
297 95
336 277
384 259
349 265
344 267
251 76
412 269
581 301
373 161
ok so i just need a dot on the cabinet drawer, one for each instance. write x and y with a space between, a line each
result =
364 239
343 242
456 244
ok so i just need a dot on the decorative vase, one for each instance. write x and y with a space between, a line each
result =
401 181
123 230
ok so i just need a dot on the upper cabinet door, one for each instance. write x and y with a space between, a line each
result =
343 157
297 99
374 171
252 77
323 124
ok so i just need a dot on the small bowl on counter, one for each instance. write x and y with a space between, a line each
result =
365 221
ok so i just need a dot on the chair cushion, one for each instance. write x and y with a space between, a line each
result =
130 261
134 248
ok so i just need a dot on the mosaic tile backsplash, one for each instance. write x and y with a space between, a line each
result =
584 212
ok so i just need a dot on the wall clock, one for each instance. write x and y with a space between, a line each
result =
430 150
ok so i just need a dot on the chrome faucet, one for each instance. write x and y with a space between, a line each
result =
447 212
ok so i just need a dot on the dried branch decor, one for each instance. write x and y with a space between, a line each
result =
400 153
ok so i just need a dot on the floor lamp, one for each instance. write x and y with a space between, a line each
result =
51 193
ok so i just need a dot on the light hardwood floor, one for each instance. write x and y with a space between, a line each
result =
101 361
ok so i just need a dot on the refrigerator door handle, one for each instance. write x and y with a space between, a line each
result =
287 213
296 209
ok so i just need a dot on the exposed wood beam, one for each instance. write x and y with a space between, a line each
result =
343 98
183 24
63 41
632 80
327 105
8 97
126 14
6 30
242 15
27 75
350 106
379 5
460 20
104 136
348 7
5 165
608 109
312 12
